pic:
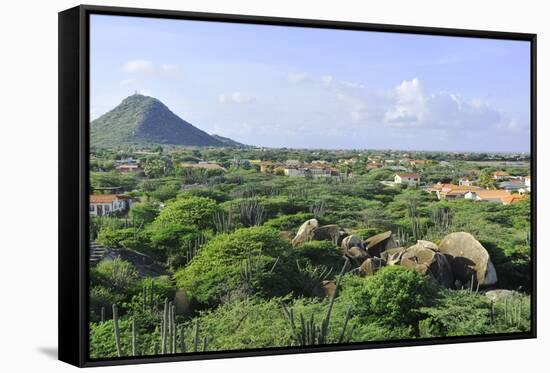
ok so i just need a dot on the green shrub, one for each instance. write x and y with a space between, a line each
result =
142 213
217 271
197 211
102 339
289 222
392 297
116 275
321 253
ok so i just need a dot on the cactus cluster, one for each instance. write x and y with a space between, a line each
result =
172 335
309 332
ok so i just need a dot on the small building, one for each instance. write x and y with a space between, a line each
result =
488 195
511 185
465 181
319 162
294 163
106 204
407 178
527 181
451 191
311 170
204 165
501 175
129 168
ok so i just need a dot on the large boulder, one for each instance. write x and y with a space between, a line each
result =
351 241
305 233
469 259
357 255
427 244
331 232
370 266
380 243
425 258
393 256
329 288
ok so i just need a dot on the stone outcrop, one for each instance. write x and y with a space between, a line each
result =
380 243
393 256
370 266
305 233
351 241
425 258
357 255
469 260
331 232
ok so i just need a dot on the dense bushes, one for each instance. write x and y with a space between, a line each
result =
222 248
197 211
250 259
393 297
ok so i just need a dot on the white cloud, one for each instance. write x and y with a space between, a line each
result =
296 77
235 98
410 105
137 66
327 79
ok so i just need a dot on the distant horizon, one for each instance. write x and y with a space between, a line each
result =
319 89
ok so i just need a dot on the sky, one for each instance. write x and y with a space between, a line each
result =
279 86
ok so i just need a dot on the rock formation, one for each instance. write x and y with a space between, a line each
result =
469 259
380 243
305 233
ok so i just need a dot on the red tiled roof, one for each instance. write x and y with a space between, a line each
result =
414 176
102 198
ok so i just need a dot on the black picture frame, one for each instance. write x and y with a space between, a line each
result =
74 182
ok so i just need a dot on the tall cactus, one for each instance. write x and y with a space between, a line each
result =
116 330
309 333
164 326
134 340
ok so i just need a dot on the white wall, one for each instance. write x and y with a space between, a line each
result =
28 134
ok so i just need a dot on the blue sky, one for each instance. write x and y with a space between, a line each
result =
316 88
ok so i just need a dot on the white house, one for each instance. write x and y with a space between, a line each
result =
527 181
409 179
106 204
501 175
465 181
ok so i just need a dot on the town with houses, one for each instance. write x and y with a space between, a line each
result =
499 185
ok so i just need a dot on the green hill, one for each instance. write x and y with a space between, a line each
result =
144 120
229 142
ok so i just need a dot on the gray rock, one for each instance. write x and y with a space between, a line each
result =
370 266
380 243
393 256
424 260
469 259
305 233
357 254
427 244
351 241
331 232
